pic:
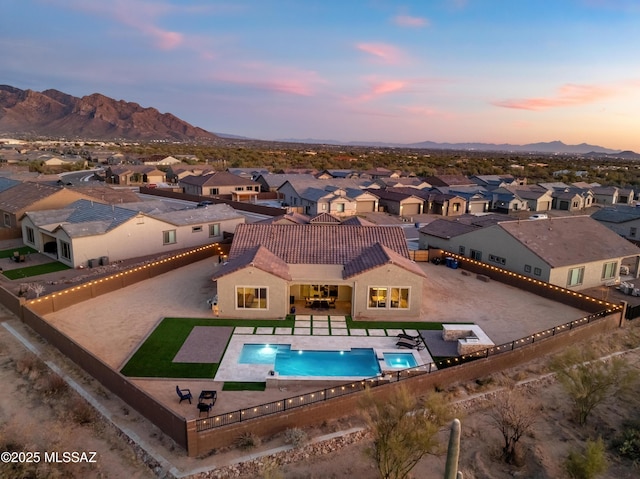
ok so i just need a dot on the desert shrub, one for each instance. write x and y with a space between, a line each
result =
247 440
31 366
53 385
295 436
627 443
588 463
82 412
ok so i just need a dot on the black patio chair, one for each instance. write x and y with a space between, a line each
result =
408 336
204 407
184 394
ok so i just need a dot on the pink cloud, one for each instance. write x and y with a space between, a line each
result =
410 21
378 88
381 51
568 95
261 76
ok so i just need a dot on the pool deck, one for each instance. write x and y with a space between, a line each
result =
315 333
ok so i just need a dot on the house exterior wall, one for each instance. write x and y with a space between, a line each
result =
386 276
140 236
495 245
492 245
627 229
277 294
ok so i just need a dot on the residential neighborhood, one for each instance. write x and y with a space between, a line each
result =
299 259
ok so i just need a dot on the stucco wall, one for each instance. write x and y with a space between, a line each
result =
277 294
389 276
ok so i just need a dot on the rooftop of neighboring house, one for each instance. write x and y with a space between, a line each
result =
617 214
24 194
220 178
448 180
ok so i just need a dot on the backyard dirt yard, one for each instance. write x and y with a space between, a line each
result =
37 413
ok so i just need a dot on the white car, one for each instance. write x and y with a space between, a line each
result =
539 216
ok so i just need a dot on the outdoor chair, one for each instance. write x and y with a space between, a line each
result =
204 407
184 394
408 336
410 344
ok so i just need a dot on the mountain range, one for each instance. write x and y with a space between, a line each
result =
54 114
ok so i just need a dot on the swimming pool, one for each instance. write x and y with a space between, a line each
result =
400 360
360 362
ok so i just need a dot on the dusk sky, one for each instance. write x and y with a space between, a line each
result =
497 71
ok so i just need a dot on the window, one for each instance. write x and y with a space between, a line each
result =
477 255
251 298
196 229
169 237
399 298
239 188
7 219
377 297
609 270
340 207
633 231
537 271
31 237
324 207
456 207
214 191
214 229
576 275
461 250
527 268
65 250
497 259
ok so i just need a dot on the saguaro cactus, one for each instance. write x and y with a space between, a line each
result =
453 452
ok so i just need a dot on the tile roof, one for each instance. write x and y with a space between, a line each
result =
324 218
6 183
447 229
375 256
256 257
289 218
357 221
316 244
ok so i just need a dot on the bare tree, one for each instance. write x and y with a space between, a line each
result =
37 288
589 381
514 415
404 430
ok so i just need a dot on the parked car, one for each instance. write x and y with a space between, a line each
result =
539 216
204 204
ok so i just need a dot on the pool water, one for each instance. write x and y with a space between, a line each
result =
361 362
400 360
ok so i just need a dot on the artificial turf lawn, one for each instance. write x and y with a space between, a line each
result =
155 355
351 324
240 386
35 270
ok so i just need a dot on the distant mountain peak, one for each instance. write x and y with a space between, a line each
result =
52 113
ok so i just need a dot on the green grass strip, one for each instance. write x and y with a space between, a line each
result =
36 270
154 357
8 253
243 386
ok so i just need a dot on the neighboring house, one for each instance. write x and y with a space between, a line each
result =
506 201
536 197
393 182
273 181
221 184
126 175
86 232
29 196
605 195
478 198
177 172
365 268
569 198
574 252
401 203
449 180
626 196
622 219
339 196
248 173
287 219
158 160
496 181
